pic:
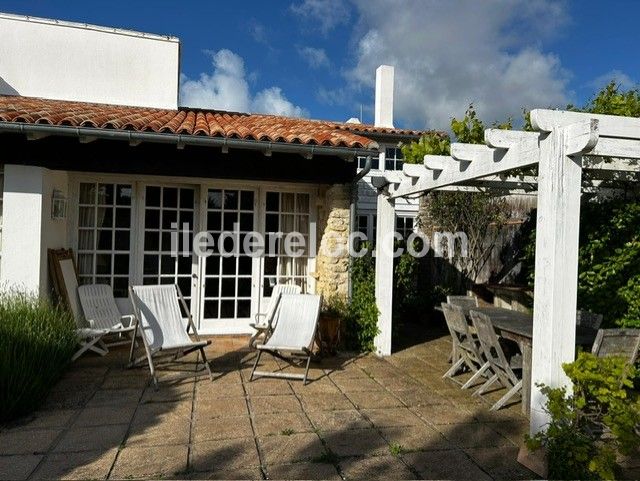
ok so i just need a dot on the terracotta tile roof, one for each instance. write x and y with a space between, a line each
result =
258 127
365 129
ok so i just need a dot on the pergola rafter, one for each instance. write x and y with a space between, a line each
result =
565 144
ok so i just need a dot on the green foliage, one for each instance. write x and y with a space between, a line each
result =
608 261
592 426
396 450
36 345
335 306
612 100
361 326
432 143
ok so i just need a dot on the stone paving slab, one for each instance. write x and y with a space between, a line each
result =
360 417
81 465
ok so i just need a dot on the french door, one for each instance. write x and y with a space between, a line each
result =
228 277
226 288
164 209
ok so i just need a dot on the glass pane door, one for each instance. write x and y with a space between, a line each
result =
166 208
286 212
228 273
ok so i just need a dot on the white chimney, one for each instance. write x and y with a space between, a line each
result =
384 96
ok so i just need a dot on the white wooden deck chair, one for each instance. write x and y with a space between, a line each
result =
264 320
502 370
296 321
100 311
65 283
158 317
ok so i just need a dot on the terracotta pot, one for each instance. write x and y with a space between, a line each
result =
536 460
328 334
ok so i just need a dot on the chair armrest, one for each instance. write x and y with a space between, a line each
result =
258 316
127 320
91 323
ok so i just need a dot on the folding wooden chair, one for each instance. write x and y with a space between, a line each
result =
493 352
465 351
617 342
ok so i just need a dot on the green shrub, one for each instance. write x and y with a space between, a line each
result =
609 261
361 326
592 426
37 341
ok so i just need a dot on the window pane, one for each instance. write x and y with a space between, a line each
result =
103 264
123 195
246 200
227 309
122 240
105 240
169 217
211 287
151 241
244 309
150 264
244 287
123 217
152 197
186 198
273 202
228 287
105 194
231 199
105 217
86 217
170 197
152 219
214 221
211 309
85 240
214 199
167 265
121 264
88 193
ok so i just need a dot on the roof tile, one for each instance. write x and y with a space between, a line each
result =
259 127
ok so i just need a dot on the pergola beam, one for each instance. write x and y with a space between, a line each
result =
567 144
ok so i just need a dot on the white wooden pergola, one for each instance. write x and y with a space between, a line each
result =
563 146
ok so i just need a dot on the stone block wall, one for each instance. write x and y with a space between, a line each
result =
332 272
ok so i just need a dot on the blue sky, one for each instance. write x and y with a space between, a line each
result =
317 58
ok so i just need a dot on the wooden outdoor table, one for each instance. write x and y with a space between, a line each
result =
518 327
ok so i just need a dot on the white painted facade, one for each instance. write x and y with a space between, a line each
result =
72 61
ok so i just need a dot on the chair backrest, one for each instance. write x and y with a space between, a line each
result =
617 342
158 312
65 280
491 346
456 320
466 302
588 319
99 305
297 320
278 291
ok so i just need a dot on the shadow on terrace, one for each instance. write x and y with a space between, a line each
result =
360 417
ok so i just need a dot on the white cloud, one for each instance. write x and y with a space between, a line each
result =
227 88
322 15
448 54
621 78
315 57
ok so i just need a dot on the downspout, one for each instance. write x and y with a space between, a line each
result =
353 211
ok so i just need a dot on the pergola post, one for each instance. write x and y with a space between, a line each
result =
385 227
556 260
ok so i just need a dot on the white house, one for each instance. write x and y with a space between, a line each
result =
98 157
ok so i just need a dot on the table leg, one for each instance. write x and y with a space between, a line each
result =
525 347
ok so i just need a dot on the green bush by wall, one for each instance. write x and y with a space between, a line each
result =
37 341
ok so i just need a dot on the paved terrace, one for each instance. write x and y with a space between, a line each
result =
360 417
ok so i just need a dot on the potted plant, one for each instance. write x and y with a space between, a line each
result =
334 311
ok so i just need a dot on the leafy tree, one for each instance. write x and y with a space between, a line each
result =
480 215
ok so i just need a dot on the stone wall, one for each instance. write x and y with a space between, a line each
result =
332 273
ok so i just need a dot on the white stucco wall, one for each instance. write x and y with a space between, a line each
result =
28 230
70 61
